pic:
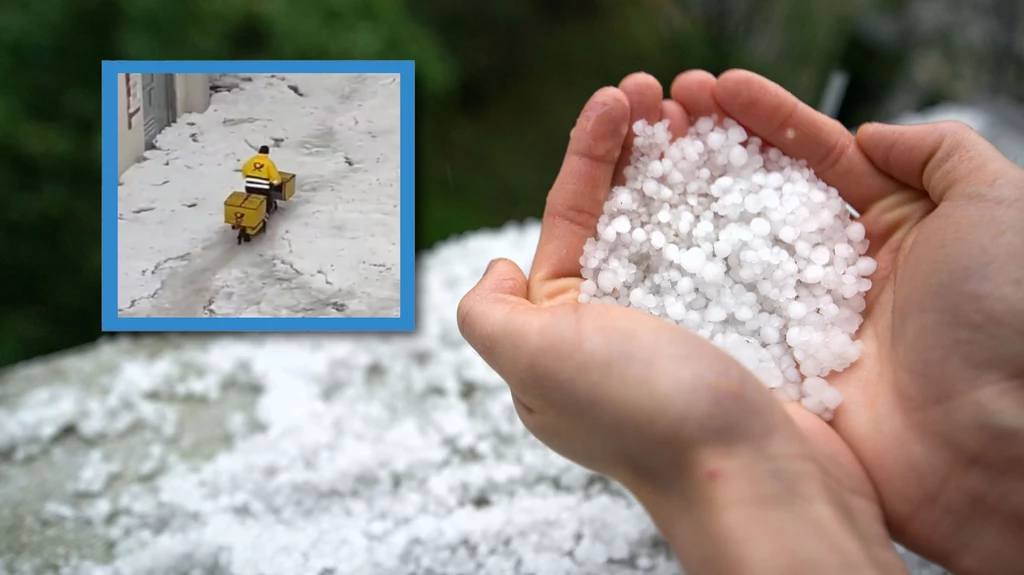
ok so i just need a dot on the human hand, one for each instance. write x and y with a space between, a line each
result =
934 409
658 408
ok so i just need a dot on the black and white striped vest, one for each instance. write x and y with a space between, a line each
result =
257 182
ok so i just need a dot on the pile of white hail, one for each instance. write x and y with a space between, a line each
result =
337 454
747 248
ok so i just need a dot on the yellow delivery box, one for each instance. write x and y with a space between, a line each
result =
287 187
245 210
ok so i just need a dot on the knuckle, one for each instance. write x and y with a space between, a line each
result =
593 146
958 129
960 143
835 153
507 285
561 213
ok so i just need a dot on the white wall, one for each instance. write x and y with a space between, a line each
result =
130 140
192 93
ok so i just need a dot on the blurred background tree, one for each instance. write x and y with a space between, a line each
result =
498 87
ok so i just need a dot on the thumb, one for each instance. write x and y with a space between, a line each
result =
938 158
495 317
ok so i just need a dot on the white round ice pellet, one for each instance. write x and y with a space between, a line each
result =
813 273
716 140
657 239
693 260
760 227
685 285
704 228
713 272
621 224
655 169
722 249
636 297
844 250
608 281
671 252
796 310
753 203
737 134
866 266
714 313
855 231
738 156
744 313
675 310
820 255
788 234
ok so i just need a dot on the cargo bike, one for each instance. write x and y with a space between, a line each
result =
248 213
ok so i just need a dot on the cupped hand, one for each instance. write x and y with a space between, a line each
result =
668 414
935 407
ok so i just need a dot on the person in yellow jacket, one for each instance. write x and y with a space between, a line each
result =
261 177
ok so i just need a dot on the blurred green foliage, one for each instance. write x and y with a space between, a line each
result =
498 87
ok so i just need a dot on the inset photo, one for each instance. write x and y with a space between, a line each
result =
258 196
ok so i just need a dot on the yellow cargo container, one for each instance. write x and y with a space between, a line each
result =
245 210
287 187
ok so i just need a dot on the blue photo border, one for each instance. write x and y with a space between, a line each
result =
109 311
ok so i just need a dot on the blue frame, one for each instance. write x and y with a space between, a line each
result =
407 313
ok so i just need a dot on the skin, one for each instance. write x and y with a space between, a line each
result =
928 447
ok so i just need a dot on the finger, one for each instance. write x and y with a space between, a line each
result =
695 92
645 94
499 323
577 198
801 132
678 121
495 314
936 158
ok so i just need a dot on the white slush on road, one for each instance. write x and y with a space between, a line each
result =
741 244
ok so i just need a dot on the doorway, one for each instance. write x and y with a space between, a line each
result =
158 98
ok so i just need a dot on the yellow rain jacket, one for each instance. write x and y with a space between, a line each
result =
260 168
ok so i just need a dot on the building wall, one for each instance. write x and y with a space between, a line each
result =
191 95
130 140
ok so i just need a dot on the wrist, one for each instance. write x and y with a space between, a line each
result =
749 513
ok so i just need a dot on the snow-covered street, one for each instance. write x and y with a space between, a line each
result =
331 251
